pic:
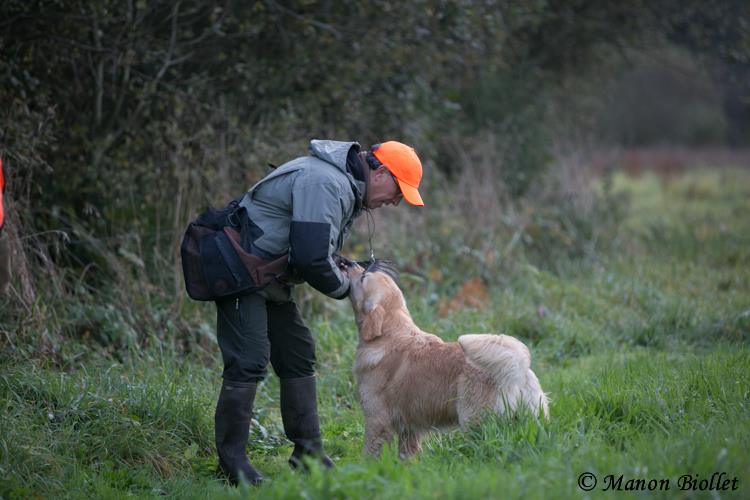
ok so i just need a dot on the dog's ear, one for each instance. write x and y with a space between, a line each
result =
372 326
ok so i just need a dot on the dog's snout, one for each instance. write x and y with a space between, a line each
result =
343 263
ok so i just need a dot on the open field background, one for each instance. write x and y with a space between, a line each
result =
643 349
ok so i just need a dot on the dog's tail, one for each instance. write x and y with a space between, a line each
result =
508 360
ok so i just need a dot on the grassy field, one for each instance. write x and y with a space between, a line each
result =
644 351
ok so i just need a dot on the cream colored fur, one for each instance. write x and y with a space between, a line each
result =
411 382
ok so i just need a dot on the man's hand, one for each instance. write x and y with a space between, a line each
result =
342 262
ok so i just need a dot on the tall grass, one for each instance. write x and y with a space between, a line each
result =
643 413
642 344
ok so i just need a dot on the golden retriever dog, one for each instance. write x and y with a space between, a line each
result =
411 382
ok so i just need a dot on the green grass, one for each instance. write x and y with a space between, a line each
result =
644 351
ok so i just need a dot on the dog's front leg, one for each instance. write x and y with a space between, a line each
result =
409 443
377 433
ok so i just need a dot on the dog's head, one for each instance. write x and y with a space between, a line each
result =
374 294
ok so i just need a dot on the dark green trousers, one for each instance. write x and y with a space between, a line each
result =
263 326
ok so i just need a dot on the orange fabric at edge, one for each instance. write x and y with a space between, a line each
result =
2 188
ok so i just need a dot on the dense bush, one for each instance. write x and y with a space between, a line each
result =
121 120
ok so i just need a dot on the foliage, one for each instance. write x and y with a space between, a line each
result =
121 120
643 348
642 414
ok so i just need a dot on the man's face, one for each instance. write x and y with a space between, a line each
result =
382 189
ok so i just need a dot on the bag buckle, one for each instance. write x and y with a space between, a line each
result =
232 219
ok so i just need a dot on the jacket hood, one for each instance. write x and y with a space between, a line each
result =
335 153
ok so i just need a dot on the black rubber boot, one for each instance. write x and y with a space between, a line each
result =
232 427
299 412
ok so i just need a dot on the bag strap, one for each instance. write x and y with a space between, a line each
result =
245 201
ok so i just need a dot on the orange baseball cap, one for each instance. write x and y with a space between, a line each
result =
402 161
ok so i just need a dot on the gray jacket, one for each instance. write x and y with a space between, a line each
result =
304 209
